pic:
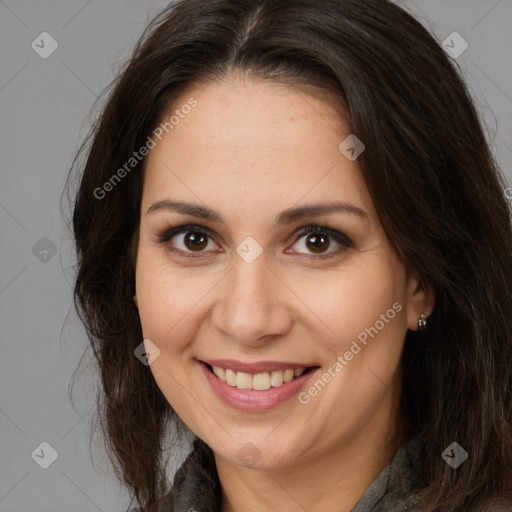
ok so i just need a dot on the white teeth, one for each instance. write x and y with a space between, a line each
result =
243 380
259 381
230 377
288 375
220 372
277 379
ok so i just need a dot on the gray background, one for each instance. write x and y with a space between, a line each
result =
44 114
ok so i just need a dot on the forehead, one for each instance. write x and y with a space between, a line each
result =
255 142
230 109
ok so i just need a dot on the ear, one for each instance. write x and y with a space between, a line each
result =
421 299
135 300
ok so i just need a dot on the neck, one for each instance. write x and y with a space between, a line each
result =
331 482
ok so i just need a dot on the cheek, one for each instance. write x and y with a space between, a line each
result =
362 300
168 308
345 304
367 313
171 301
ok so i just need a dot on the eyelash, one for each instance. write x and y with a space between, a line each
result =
166 234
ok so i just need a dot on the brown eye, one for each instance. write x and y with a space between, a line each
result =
317 243
318 239
195 241
190 240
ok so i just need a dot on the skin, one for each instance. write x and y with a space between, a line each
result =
244 144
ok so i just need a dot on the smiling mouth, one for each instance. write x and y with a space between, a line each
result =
259 381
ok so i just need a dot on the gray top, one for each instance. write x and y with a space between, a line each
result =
391 490
196 486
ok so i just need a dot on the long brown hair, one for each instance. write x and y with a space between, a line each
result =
433 181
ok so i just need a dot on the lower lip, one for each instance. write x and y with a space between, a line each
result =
252 400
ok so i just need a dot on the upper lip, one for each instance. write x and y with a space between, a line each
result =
257 367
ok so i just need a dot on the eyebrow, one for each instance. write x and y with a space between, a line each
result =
285 217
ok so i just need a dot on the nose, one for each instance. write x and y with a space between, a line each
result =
252 304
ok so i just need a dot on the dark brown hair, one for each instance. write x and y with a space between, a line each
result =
433 181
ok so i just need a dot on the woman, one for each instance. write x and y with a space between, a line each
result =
293 243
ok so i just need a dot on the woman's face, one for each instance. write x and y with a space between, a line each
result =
246 291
